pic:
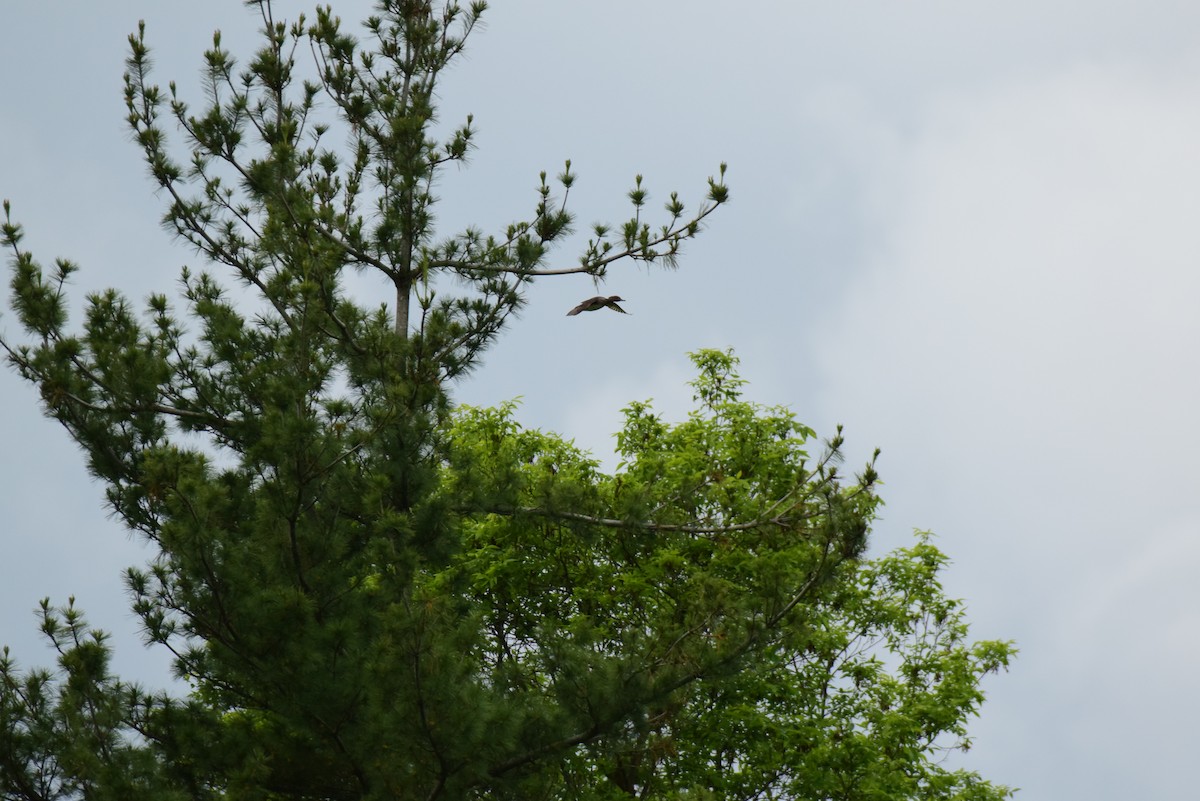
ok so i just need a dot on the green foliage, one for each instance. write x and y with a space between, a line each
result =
375 594
717 582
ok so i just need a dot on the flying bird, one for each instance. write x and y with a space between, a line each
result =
598 302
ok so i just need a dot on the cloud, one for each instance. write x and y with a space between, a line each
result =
1021 340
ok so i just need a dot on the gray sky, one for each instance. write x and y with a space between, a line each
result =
967 231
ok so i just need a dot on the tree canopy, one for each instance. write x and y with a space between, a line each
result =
375 593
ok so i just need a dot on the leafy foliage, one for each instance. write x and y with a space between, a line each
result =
375 594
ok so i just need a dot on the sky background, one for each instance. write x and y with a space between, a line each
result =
966 231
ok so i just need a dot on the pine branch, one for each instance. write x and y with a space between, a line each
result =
611 522
589 266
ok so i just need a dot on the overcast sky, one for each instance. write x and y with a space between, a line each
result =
967 231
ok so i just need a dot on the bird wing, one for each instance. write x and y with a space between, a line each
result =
591 304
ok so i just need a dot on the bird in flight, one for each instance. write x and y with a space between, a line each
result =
598 302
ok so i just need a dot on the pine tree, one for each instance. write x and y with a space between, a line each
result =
374 594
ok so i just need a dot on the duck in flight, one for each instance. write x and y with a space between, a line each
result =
596 303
